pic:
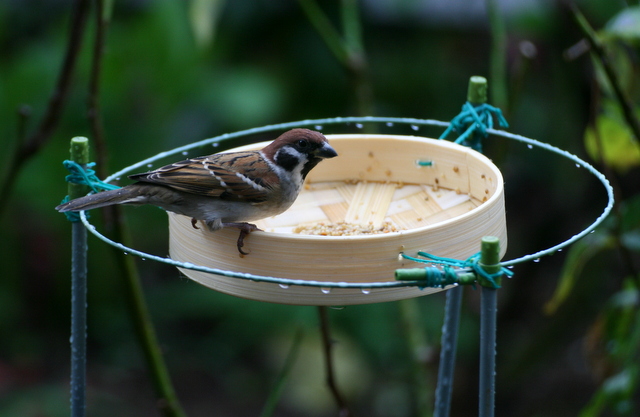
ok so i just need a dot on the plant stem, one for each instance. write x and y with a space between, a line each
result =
168 403
625 254
498 57
349 51
29 147
94 112
325 29
327 345
612 76
357 60
275 394
419 350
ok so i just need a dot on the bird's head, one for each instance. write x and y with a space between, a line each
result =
299 150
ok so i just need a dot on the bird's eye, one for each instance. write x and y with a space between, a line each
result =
303 143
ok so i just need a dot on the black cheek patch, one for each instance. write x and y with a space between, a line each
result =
287 161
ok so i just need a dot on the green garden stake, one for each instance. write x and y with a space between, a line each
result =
490 260
476 96
80 155
477 91
433 277
476 117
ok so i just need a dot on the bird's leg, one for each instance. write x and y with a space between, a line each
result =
245 229
193 223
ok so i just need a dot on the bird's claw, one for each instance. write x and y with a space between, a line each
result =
240 242
245 229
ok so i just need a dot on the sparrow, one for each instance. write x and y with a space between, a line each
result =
224 189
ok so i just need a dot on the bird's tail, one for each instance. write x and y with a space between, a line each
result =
125 195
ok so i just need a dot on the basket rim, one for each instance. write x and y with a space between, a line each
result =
497 195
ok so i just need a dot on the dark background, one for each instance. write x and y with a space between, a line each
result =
163 86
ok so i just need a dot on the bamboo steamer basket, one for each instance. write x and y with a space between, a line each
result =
444 209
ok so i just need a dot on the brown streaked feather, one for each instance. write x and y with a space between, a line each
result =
216 176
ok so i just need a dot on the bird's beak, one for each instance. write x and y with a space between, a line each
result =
326 151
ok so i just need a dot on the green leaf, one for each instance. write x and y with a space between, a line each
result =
625 25
612 142
622 62
631 240
618 342
618 383
630 214
577 258
204 15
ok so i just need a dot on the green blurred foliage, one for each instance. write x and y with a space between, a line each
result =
179 71
612 141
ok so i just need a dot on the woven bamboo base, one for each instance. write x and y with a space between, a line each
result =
444 209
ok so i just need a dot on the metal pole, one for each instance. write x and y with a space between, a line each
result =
79 154
488 310
476 95
78 319
448 342
490 262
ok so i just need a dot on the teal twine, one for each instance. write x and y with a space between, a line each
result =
84 176
436 278
72 216
472 262
474 119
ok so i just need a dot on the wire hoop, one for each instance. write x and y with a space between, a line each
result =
318 124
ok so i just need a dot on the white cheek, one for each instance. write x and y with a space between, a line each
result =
297 171
291 151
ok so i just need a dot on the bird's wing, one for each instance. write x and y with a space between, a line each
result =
234 176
